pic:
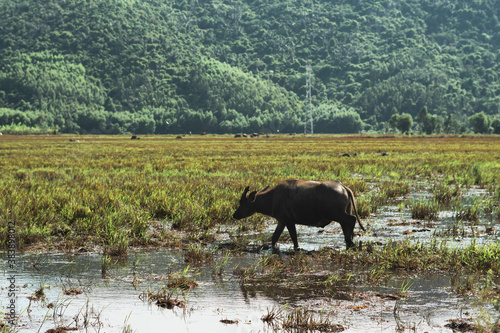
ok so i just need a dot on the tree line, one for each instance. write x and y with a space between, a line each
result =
164 66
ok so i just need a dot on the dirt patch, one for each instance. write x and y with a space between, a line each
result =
461 325
72 291
170 303
61 329
182 283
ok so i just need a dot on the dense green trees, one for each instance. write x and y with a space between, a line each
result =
430 123
337 118
230 65
480 123
402 122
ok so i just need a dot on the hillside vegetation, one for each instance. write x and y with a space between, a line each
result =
165 66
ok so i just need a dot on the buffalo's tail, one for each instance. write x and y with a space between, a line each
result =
353 203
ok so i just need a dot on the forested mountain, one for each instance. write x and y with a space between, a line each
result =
172 66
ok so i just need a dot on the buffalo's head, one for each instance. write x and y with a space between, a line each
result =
246 207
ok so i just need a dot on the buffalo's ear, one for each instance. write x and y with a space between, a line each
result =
251 196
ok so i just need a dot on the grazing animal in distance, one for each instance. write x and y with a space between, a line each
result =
304 202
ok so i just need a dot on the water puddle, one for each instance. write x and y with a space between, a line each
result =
110 304
220 303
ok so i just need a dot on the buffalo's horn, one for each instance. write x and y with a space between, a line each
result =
246 191
265 188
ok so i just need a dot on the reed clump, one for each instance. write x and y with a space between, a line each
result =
446 194
424 210
182 283
195 254
303 320
394 189
162 299
469 214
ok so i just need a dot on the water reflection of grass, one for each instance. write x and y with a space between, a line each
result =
334 273
333 267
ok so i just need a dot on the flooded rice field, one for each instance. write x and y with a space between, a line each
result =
114 303
163 291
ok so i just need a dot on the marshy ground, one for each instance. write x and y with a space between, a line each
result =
133 235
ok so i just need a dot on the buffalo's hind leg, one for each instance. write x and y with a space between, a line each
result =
348 222
293 234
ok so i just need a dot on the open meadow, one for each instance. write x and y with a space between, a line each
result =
430 206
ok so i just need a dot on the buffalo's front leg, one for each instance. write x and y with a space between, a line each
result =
277 233
293 235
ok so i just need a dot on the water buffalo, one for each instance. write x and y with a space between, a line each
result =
313 203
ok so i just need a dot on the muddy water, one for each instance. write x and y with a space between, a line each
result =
113 303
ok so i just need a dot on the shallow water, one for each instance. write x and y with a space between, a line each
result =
112 303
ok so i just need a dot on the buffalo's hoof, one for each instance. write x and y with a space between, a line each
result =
266 247
298 250
352 247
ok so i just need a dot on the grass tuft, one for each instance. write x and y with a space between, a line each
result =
304 320
194 254
424 210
